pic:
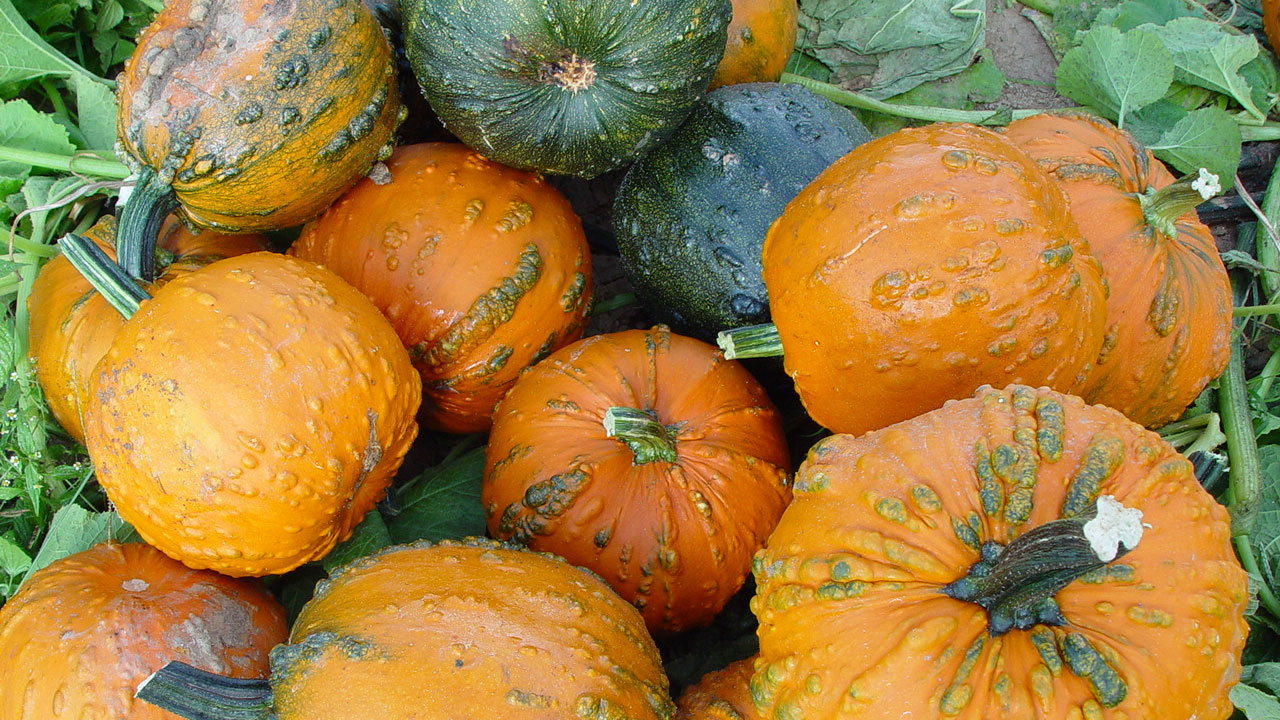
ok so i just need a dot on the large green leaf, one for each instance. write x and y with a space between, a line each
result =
1116 73
24 55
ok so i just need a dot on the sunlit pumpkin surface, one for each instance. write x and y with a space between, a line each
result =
721 695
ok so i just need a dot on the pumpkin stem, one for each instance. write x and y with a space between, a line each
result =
199 695
750 341
648 439
108 278
1162 208
150 203
1016 583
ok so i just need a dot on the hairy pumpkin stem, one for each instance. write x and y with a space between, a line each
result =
199 695
1016 583
108 278
150 203
648 439
1162 208
750 341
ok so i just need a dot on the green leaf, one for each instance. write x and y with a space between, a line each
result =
21 126
23 54
980 82
96 110
443 502
14 561
370 536
109 16
74 530
1264 676
1205 138
9 493
1116 73
1266 531
1206 55
1254 703
807 66
1263 78
1129 15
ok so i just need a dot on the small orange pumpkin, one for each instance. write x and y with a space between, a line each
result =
72 325
1168 322
82 632
721 695
647 458
481 269
762 36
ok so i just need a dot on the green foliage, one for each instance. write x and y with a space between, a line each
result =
443 501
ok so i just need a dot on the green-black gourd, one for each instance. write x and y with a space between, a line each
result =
690 216
572 87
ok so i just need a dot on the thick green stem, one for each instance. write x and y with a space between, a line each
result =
926 113
198 695
140 220
1016 583
1162 208
1267 378
1245 475
1248 561
614 303
649 440
750 341
120 290
78 164
1254 310
1267 246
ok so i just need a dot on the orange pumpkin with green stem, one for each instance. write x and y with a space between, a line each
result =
481 269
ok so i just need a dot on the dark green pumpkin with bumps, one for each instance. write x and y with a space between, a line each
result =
690 217
572 87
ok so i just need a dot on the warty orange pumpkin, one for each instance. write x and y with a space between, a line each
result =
481 269
761 37
83 631
724 694
1019 555
1168 322
646 457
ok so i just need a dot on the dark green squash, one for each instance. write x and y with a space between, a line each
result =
690 217
572 87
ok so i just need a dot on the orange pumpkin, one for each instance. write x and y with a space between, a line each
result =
762 35
249 414
721 695
72 325
1169 309
1271 21
647 458
471 629
481 269
85 630
922 265
960 564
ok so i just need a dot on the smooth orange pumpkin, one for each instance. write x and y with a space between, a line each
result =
945 567
762 35
481 269
922 265
249 414
721 695
1271 21
85 630
647 458
470 629
1169 307
72 325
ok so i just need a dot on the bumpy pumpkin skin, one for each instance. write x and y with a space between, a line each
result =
249 414
481 269
72 325
762 35
471 629
675 538
85 630
1169 307
721 695
259 114
925 264
853 622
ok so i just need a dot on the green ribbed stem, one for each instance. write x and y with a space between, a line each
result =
140 220
750 341
108 278
649 440
1015 583
199 695
1162 208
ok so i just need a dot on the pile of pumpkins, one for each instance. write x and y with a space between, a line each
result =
985 319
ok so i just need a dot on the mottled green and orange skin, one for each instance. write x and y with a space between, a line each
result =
470 629
258 114
1168 330
482 270
674 537
925 264
85 630
721 695
853 620
250 413
71 325
761 37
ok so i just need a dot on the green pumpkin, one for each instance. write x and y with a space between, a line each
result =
572 87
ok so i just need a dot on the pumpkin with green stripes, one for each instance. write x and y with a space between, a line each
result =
481 269
1011 556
